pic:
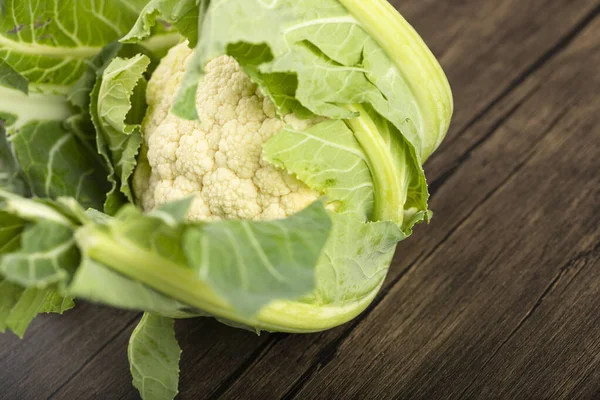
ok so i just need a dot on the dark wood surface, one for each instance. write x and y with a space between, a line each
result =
499 298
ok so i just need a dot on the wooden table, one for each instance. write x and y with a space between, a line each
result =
499 298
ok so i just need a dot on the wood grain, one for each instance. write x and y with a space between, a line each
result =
55 348
497 298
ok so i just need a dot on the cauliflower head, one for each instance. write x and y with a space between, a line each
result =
217 159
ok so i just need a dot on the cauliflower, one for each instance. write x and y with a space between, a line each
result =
217 159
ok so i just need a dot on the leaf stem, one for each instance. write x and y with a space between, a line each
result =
390 195
181 283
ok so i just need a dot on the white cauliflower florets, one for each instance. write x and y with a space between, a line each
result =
218 159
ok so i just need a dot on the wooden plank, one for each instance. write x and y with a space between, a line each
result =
449 27
107 376
55 348
556 352
441 324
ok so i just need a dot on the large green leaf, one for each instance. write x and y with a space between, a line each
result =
328 45
422 75
49 42
47 256
11 227
357 256
257 261
157 262
57 163
46 46
253 263
154 358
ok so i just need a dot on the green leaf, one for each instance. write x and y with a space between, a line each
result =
9 296
81 123
56 163
257 261
154 358
50 44
117 108
281 90
11 228
148 250
328 44
100 284
327 158
11 78
49 47
11 175
355 260
48 256
150 233
79 95
56 303
15 206
185 103
183 14
18 307
253 263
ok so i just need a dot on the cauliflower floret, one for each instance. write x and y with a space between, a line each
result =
217 159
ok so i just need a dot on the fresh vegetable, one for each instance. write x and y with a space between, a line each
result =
218 158
180 159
